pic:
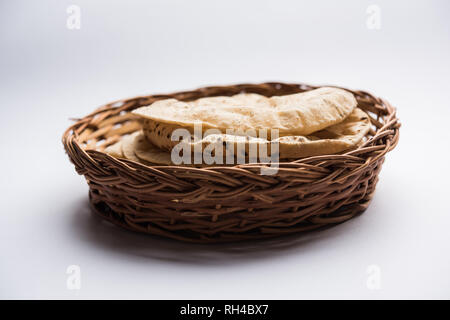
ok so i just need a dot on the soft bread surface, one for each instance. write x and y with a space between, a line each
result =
337 138
115 150
145 151
334 139
316 122
296 114
129 145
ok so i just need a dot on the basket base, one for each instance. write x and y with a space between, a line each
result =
101 209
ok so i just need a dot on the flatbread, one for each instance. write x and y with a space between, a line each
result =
251 99
149 154
296 114
159 134
334 139
128 146
115 150
145 151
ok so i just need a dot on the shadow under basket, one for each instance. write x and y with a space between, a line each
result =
218 204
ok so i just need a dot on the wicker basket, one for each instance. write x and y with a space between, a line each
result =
227 203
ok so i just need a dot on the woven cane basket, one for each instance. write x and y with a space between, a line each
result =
217 204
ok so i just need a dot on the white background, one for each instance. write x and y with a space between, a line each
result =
50 73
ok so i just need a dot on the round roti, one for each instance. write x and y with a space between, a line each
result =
145 151
115 150
159 134
295 114
341 137
128 146
334 139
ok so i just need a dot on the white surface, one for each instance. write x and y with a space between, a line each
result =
50 73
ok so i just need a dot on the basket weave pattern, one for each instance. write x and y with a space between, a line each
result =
227 203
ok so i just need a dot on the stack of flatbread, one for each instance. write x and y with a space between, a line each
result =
316 122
